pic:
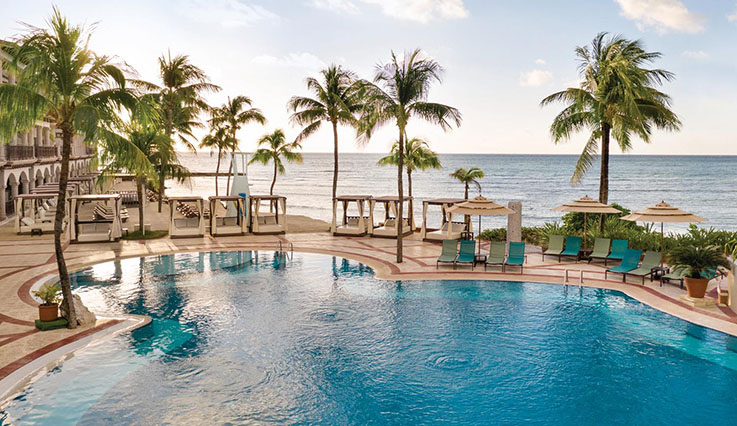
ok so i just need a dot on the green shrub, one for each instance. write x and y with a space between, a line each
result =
496 234
694 260
49 293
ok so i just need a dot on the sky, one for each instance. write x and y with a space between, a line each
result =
500 58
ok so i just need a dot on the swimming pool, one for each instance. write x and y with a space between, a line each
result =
252 337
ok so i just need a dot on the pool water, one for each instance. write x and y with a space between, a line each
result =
254 337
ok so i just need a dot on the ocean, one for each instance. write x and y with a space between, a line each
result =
704 185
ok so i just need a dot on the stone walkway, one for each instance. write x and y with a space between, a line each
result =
26 261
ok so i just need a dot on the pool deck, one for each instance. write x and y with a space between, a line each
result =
25 262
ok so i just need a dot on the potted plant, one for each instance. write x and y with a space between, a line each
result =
698 264
50 294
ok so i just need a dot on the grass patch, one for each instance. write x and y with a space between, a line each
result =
150 235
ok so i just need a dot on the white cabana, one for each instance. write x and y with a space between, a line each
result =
35 213
53 188
186 216
388 228
92 230
351 225
448 230
86 183
273 221
221 223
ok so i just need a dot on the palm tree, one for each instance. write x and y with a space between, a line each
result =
467 177
335 101
406 84
417 156
218 140
617 97
276 147
60 79
231 116
180 97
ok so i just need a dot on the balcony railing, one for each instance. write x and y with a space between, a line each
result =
46 151
18 152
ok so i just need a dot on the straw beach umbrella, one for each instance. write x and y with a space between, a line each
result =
479 206
586 205
663 212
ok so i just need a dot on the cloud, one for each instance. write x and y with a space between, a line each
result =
535 78
695 54
732 17
422 11
228 13
540 61
292 60
662 16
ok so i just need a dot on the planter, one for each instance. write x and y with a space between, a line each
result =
696 287
48 312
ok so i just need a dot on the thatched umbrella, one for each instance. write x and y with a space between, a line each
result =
479 206
586 205
663 212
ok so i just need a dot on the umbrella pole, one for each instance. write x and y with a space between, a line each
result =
585 219
479 244
662 243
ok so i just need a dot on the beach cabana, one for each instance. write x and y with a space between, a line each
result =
95 230
186 216
586 205
86 183
351 225
388 228
663 213
224 223
34 213
268 214
448 230
479 206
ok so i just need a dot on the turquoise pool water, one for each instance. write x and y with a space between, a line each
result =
252 337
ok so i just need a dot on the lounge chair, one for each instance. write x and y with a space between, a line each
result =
601 249
680 275
573 246
651 260
619 248
629 263
467 253
449 253
496 254
516 256
555 246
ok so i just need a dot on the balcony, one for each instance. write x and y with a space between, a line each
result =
18 152
46 151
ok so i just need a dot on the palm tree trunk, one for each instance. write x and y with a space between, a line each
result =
217 171
335 164
66 285
400 187
271 190
140 190
409 188
169 131
466 194
230 168
604 178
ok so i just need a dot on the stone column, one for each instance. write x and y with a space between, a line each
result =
32 179
3 213
514 222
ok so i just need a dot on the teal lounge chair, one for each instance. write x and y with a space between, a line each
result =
651 260
467 253
516 256
555 246
629 263
601 249
449 253
619 248
496 254
573 246
680 275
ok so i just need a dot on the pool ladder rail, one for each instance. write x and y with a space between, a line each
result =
566 281
290 252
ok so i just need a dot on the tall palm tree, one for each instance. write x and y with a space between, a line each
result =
405 86
617 97
275 146
180 97
231 116
218 140
417 156
60 79
335 101
468 177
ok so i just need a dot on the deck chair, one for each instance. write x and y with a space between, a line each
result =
619 248
467 253
496 254
601 249
651 260
680 275
629 263
516 256
555 246
573 246
449 253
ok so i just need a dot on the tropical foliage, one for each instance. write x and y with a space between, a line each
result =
469 177
220 141
61 80
695 260
398 93
617 98
273 147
